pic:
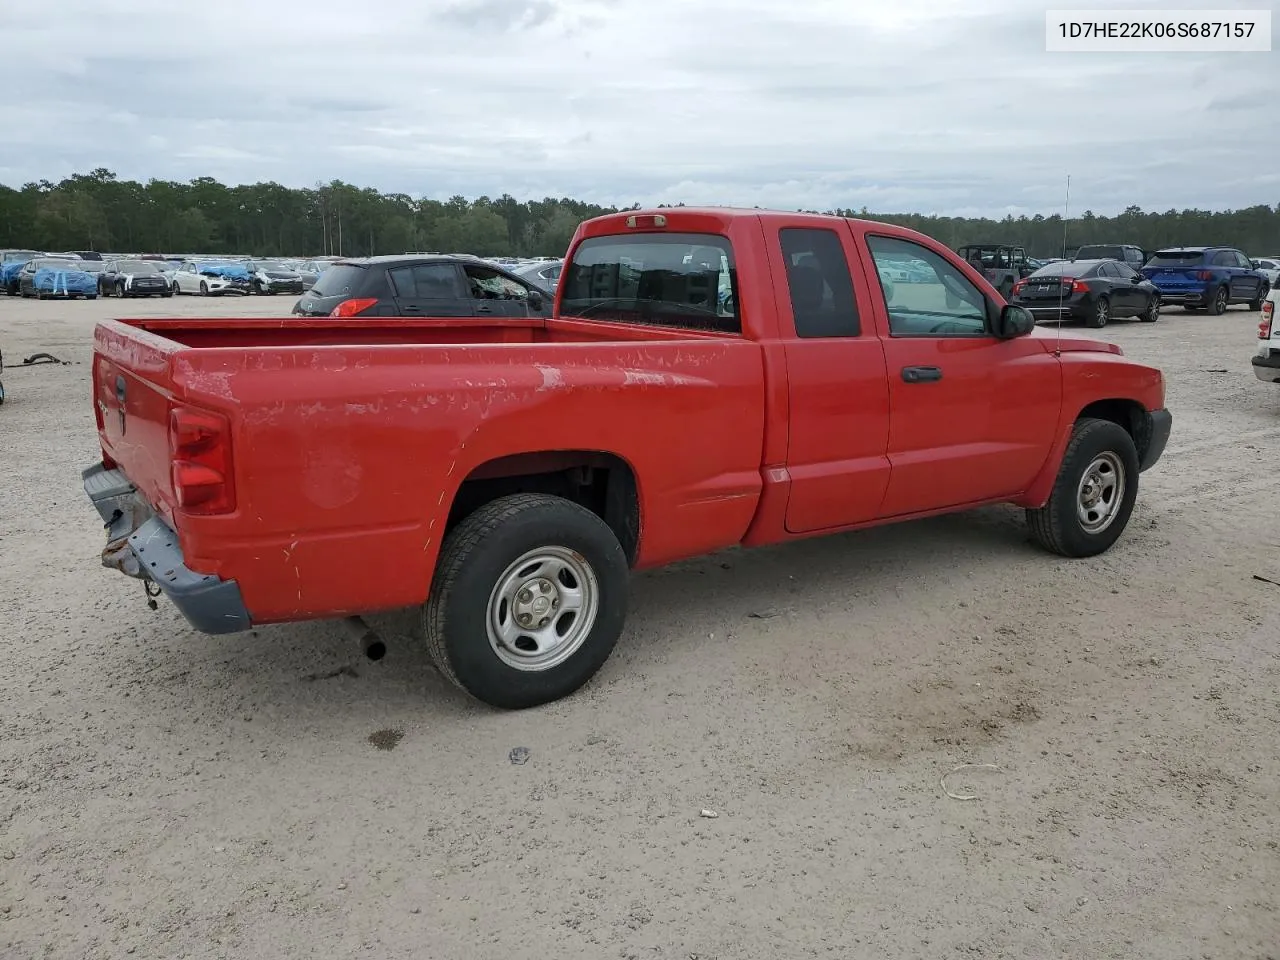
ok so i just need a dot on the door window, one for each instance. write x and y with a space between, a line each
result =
491 285
1224 258
1242 260
942 303
818 280
426 281
1108 268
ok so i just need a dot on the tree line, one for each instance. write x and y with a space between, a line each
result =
99 211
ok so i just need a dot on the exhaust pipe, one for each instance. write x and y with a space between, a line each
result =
373 646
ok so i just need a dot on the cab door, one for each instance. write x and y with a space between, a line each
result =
837 394
971 418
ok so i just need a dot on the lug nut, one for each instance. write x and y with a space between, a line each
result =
543 586
525 596
524 619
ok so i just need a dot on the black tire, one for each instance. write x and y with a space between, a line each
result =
91 296
1100 314
1218 305
477 558
204 289
1057 526
1152 313
1256 304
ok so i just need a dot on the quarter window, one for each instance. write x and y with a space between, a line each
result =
821 288
940 303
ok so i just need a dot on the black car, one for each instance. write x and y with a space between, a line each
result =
1093 291
272 276
421 286
1127 253
133 278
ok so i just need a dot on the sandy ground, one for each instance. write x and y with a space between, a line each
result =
167 794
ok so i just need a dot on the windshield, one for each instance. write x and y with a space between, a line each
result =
18 256
1175 258
137 267
270 265
683 280
339 280
51 264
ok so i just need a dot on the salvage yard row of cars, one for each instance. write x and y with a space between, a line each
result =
88 275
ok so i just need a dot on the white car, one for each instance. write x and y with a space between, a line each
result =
1270 267
1266 359
193 279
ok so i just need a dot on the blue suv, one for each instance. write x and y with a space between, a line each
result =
1206 277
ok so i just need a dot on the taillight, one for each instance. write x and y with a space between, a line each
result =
1268 315
200 454
1078 286
349 308
1017 287
1204 274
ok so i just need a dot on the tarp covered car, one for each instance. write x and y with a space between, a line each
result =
51 282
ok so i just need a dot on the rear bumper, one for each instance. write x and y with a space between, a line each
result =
1161 424
140 544
1068 311
1184 297
1267 368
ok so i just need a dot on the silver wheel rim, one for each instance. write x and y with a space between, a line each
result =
542 609
1100 493
1221 300
1154 310
1102 313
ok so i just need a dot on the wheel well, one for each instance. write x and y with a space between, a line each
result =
603 483
1129 414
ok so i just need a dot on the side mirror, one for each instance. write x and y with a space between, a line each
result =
1014 322
1137 279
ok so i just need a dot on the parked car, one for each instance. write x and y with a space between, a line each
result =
542 274
310 271
49 277
211 279
417 286
133 278
1210 278
11 262
1090 291
1002 264
88 255
1266 359
1127 253
272 276
504 477
1269 267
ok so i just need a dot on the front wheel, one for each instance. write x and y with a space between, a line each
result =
1100 314
204 289
528 602
1152 313
1094 493
1256 303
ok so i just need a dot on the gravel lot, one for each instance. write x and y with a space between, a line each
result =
167 794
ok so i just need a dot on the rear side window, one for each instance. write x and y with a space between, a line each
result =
1175 258
818 280
427 281
685 280
340 280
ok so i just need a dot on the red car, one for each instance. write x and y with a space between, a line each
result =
505 474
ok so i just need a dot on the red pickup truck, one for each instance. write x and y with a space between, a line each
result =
709 378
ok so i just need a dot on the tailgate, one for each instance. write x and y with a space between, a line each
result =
132 389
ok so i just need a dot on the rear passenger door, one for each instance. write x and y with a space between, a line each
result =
430 290
838 397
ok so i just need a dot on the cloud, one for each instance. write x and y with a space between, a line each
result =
938 106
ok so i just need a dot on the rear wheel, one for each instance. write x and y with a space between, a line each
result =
528 601
1100 314
1094 493
1256 303
1218 306
1152 313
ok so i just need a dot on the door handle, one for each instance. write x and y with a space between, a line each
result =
921 374
484 308
409 308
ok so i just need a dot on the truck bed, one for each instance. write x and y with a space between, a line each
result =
350 439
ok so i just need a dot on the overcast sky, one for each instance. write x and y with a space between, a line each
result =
936 106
